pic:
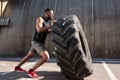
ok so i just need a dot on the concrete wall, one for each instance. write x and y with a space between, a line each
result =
100 20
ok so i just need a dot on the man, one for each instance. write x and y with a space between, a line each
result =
41 29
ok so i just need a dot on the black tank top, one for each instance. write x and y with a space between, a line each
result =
40 37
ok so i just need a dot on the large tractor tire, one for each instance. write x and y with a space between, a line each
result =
48 44
71 48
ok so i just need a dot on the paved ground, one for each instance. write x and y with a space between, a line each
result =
103 70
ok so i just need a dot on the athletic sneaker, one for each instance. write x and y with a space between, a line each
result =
19 69
32 74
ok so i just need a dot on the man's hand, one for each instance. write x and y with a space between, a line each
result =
52 22
49 30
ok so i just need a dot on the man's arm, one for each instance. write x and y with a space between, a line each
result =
52 23
39 26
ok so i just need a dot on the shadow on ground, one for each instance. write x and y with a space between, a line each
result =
23 76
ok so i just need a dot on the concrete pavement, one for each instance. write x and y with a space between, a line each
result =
103 70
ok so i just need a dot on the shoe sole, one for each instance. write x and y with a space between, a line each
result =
29 75
41 77
19 71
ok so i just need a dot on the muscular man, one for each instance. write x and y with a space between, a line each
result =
41 29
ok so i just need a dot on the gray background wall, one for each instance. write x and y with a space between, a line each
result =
100 20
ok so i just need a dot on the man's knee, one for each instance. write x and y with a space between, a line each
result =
45 55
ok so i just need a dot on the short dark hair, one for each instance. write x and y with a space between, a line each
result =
48 9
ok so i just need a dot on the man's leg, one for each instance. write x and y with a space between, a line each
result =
45 56
27 57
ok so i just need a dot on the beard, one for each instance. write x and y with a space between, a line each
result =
49 18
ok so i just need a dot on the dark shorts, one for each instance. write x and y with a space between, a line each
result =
37 47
